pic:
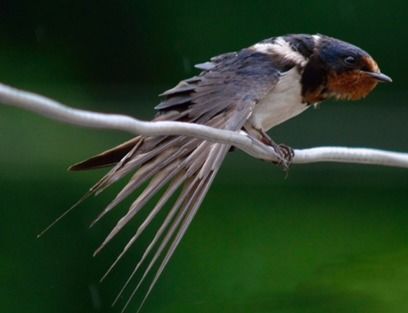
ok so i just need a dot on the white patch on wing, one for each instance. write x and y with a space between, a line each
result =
281 47
283 102
205 66
316 39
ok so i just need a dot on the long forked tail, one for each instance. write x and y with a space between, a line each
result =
169 163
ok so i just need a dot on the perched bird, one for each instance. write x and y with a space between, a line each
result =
252 90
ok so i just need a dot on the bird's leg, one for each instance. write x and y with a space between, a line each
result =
284 152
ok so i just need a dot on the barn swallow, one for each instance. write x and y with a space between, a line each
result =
251 90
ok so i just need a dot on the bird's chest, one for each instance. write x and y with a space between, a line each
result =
283 102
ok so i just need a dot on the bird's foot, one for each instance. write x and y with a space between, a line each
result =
286 152
285 155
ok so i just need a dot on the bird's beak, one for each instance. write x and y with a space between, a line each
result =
378 76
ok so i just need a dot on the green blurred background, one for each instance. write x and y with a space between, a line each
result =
326 238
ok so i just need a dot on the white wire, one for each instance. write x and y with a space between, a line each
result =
57 111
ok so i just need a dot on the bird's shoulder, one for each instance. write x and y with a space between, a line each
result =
250 73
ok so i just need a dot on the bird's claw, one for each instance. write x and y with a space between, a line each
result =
287 152
285 155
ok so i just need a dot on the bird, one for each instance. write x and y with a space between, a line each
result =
250 90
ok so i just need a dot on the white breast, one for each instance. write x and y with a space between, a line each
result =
283 102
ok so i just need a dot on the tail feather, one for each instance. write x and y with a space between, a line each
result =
100 185
125 166
156 183
118 154
164 198
165 160
193 205
161 177
133 161
182 215
172 163
185 207
174 210
107 158
141 176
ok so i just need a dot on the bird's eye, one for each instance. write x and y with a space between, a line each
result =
350 60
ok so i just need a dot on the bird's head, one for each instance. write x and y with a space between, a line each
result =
340 70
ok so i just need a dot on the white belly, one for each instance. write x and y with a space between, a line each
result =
283 102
